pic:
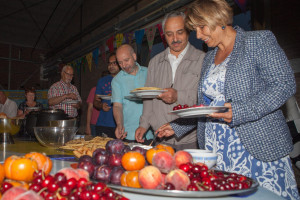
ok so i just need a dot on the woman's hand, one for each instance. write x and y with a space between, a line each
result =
165 131
227 116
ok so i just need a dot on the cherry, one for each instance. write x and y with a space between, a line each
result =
6 186
35 187
204 173
60 178
50 197
52 187
38 180
99 187
86 195
109 193
206 181
241 178
38 173
192 187
49 179
95 196
175 108
73 197
72 183
185 106
196 169
81 182
195 180
179 106
65 190
169 186
185 167
204 167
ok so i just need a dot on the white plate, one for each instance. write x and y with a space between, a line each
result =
32 108
147 94
106 97
72 102
194 112
133 98
186 194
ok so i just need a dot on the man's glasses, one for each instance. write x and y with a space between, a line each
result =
112 63
71 75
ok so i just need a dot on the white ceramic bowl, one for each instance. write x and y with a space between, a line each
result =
204 156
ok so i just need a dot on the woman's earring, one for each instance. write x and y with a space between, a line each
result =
223 27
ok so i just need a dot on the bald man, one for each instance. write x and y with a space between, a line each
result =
63 92
127 112
7 106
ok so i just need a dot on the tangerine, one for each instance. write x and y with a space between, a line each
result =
151 152
44 162
132 179
2 173
133 160
123 178
20 168
167 148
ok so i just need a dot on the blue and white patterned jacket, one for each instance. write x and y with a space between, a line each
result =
258 82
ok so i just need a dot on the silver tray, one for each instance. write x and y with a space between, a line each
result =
186 194
198 111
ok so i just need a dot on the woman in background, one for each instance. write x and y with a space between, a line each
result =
248 73
29 104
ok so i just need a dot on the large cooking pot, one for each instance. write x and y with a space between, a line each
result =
30 122
47 115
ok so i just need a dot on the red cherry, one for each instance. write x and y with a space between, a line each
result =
169 186
196 169
206 181
185 106
35 187
175 108
65 190
185 167
179 106
60 178
241 178
49 179
95 196
72 183
5 186
86 195
204 173
52 187
192 187
81 182
99 187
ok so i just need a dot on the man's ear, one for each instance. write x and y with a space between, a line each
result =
134 56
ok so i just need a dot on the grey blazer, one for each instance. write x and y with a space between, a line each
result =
258 82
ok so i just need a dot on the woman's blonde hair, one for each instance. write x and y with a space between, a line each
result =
211 13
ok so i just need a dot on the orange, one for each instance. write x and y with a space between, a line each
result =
133 160
20 168
166 147
151 152
44 162
132 179
2 173
123 178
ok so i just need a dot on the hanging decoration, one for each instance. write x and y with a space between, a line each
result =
139 34
128 37
150 32
103 55
110 44
89 59
119 39
162 35
95 56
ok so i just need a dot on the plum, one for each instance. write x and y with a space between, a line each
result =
126 149
116 174
85 158
140 150
98 150
115 146
101 158
115 160
88 166
103 173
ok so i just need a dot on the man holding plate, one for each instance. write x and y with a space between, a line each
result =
177 70
63 95
106 125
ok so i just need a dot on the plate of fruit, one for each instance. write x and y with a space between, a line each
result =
160 171
185 111
106 97
147 92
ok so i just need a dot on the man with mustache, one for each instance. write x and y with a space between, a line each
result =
177 69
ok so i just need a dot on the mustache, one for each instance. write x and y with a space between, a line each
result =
177 42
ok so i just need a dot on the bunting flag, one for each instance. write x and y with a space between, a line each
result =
95 56
139 34
83 62
119 39
102 49
162 35
110 44
89 59
242 4
128 37
150 32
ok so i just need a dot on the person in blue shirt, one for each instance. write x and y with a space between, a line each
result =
106 124
127 112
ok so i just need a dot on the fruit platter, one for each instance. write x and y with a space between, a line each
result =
185 111
117 170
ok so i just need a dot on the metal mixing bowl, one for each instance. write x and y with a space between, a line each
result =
11 126
54 137
63 123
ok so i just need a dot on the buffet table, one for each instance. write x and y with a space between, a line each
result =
63 159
